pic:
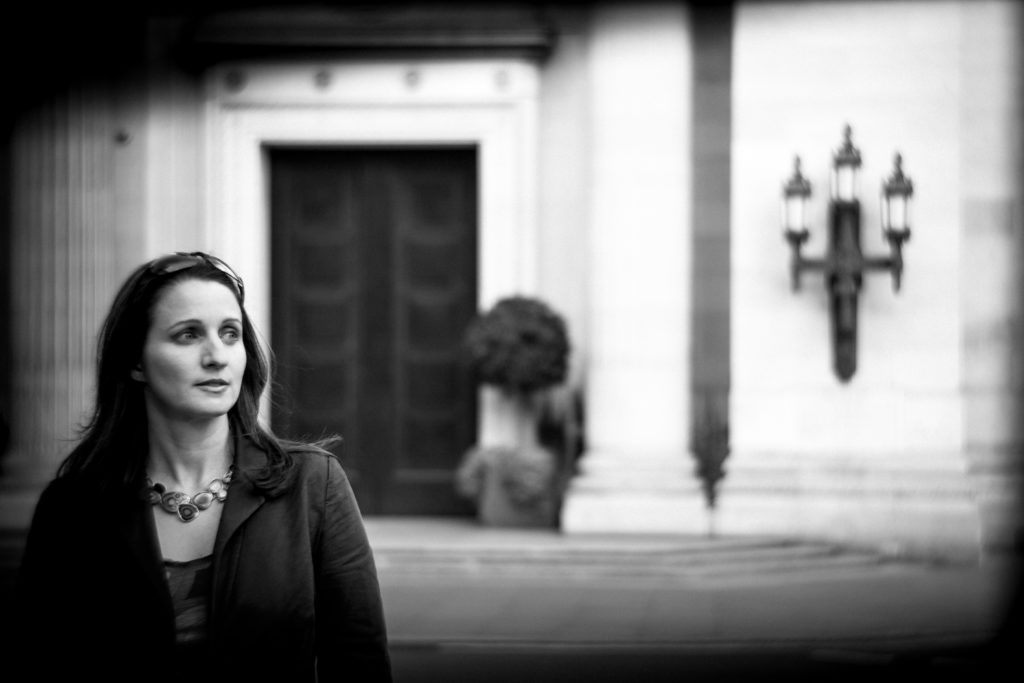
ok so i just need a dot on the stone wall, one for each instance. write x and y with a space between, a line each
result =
881 459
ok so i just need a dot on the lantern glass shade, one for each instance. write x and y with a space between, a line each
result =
795 212
845 163
896 193
844 182
897 211
794 200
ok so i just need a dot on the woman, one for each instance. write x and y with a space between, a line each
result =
180 537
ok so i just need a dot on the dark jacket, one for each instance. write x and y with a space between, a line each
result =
295 594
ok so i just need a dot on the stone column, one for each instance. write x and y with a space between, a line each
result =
637 475
69 226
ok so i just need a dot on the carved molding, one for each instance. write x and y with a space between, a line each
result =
390 28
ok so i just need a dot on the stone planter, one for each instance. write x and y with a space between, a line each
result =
512 477
498 506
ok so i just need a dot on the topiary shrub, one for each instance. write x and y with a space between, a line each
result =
520 345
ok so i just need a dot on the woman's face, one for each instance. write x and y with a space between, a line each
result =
193 359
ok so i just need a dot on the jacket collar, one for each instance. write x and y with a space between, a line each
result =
243 499
139 530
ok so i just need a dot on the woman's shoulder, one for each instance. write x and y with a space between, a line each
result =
313 463
319 478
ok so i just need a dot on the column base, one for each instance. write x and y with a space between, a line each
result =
635 494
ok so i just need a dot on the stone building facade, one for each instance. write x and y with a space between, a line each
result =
626 162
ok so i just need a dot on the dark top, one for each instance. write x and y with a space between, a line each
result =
189 583
293 586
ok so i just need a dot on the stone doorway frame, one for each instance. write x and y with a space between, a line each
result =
488 103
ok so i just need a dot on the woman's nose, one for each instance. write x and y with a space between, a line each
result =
213 353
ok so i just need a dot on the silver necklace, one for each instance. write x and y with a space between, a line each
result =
187 507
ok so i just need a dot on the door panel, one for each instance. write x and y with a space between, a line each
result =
374 280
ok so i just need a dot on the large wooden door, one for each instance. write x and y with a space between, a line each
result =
374 280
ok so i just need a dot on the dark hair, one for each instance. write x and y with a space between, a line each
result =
115 440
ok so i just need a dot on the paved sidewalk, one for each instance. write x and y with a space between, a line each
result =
468 603
453 584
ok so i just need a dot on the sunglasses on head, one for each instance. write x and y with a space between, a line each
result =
181 260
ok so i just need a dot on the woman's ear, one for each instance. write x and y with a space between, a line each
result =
137 373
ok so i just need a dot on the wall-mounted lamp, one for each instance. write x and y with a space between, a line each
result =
844 264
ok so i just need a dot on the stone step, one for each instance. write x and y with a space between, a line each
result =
551 555
695 560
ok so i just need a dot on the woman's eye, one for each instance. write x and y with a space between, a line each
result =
231 334
187 335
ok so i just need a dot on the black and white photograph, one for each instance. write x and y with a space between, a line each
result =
464 341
